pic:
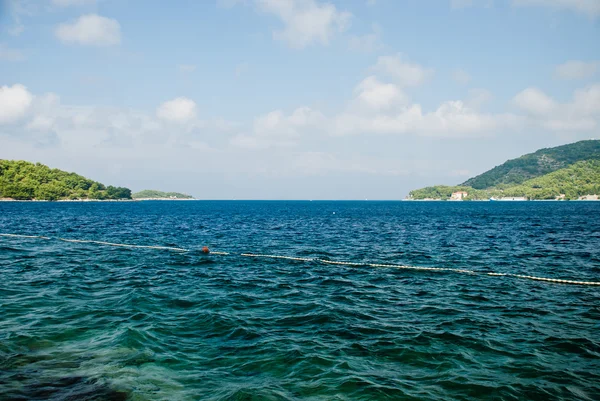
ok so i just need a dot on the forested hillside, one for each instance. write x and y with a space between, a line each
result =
537 164
571 170
579 179
25 181
152 194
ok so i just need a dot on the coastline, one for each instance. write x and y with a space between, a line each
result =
501 200
164 199
93 200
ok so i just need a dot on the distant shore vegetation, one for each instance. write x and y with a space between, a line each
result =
22 180
153 194
567 172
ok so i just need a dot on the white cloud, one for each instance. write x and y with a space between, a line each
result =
450 119
177 110
380 107
461 76
580 114
588 7
576 69
404 73
186 67
90 29
534 101
14 103
587 101
40 123
43 120
377 95
275 129
277 124
67 3
8 54
306 21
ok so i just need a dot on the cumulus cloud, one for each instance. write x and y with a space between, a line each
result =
450 119
534 101
43 120
306 21
90 29
576 69
582 113
276 129
380 107
14 103
403 72
587 7
377 95
587 101
178 110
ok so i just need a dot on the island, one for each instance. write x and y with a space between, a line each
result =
22 180
150 194
568 172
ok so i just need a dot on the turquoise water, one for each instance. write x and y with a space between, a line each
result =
92 322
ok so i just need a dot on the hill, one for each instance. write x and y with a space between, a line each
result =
579 179
23 180
152 194
571 170
537 164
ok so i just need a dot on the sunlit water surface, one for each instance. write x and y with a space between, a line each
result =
92 322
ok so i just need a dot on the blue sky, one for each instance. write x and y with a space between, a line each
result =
294 99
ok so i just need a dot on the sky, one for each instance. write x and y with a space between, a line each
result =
294 99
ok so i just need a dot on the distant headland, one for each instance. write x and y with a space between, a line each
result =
150 194
22 180
25 181
568 172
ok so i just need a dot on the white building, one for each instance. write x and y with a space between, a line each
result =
459 195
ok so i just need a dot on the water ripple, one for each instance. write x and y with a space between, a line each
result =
99 323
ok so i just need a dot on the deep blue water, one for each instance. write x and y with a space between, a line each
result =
92 322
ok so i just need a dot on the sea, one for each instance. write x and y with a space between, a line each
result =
94 321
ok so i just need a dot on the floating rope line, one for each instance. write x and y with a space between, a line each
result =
24 236
168 248
324 261
83 241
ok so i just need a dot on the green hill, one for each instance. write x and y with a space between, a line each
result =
25 181
537 164
581 178
152 194
571 170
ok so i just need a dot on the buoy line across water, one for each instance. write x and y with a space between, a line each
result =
324 261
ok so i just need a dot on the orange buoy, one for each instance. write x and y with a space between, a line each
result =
205 249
